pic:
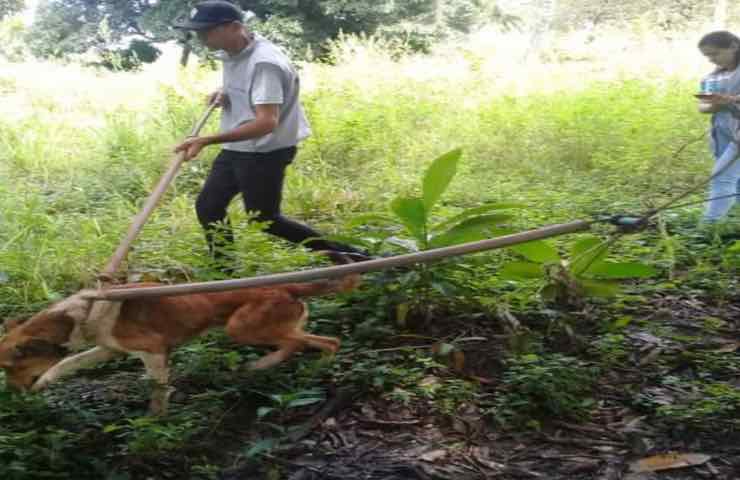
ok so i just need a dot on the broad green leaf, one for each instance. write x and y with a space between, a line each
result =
412 214
112 428
621 323
471 230
350 240
537 251
613 270
585 252
521 270
300 402
530 358
261 447
735 247
438 176
404 243
262 411
443 349
475 211
460 236
457 238
599 288
484 220
447 289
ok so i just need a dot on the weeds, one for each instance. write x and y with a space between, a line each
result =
536 387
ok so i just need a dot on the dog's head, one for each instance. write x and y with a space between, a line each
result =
30 348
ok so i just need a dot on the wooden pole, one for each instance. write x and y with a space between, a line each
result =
342 270
138 223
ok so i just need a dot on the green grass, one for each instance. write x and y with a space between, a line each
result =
72 192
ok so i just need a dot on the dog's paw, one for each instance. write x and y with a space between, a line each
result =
159 403
40 384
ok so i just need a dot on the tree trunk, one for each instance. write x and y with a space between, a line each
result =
185 55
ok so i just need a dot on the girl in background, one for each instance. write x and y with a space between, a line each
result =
721 97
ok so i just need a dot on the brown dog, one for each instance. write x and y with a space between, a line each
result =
34 353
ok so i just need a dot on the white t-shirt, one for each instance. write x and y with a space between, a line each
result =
258 75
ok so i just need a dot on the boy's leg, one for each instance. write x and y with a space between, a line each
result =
219 189
261 177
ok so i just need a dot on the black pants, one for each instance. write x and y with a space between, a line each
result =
259 178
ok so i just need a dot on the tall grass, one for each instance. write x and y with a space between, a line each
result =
80 149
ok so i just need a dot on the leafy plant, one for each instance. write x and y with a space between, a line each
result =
709 405
282 402
414 227
413 216
152 435
415 212
37 441
585 273
732 255
538 386
611 348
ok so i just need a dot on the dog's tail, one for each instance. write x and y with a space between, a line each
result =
325 287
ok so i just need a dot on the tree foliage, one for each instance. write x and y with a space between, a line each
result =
67 27
665 15
11 7
64 27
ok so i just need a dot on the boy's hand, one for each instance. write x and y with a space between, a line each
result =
219 98
192 147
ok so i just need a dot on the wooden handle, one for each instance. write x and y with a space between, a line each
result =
343 270
138 223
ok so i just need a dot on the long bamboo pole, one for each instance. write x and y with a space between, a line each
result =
138 222
342 270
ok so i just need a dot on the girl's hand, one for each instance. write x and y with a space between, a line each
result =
719 99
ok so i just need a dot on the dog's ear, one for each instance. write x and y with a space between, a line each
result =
38 347
54 326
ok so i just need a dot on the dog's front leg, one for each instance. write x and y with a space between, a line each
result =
158 369
71 364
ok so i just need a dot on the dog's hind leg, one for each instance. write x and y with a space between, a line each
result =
327 344
285 350
71 364
157 368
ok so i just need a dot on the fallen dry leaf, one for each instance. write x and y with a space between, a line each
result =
651 357
729 348
668 461
434 455
458 361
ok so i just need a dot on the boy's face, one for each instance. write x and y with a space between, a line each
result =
218 37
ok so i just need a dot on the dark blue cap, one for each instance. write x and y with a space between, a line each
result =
209 14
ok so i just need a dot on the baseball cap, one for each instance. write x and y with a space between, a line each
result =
209 14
